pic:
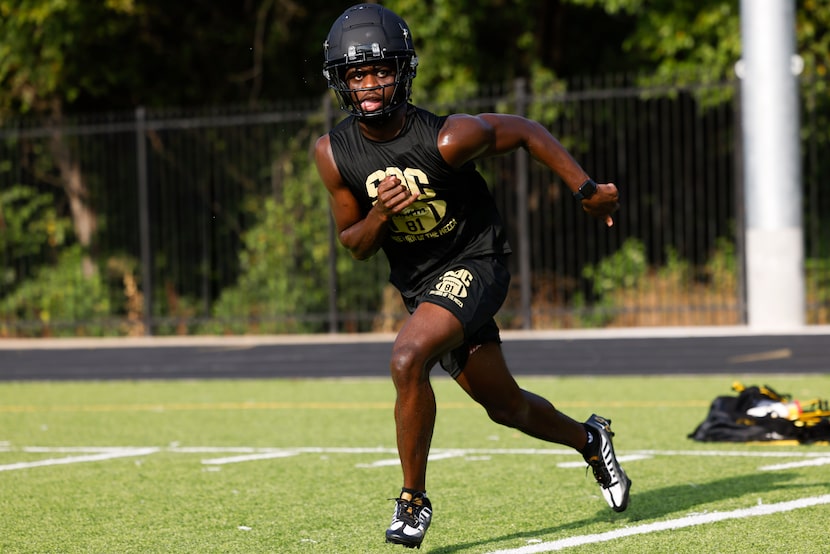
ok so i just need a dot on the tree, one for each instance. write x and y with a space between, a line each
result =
701 39
467 44
41 74
59 59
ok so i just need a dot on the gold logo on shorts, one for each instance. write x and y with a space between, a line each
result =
453 285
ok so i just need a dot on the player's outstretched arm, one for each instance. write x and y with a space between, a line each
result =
466 137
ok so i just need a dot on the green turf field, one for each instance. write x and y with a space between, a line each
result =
294 466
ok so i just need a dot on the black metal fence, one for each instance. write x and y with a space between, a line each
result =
163 222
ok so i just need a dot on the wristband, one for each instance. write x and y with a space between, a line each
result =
586 190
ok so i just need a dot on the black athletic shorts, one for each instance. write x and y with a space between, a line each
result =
473 290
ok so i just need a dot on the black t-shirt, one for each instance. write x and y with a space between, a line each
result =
455 216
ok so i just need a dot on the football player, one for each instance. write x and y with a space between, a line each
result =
404 180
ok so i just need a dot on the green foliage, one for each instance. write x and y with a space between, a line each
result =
467 45
445 39
60 299
126 53
29 224
284 264
625 271
813 36
676 269
699 41
46 48
722 267
543 87
818 289
689 40
202 52
622 269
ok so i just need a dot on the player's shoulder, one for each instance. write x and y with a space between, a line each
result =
322 144
467 120
465 137
341 133
324 155
465 126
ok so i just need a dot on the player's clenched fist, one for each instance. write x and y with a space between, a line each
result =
394 196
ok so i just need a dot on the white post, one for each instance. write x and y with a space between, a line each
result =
772 166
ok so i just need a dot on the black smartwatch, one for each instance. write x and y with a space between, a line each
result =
586 190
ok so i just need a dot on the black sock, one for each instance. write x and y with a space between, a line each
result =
591 448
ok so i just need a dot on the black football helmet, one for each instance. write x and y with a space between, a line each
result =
364 34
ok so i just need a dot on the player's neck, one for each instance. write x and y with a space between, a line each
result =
384 128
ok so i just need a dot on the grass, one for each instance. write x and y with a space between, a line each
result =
504 491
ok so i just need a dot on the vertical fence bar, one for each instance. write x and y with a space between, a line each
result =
144 218
328 117
522 221
813 227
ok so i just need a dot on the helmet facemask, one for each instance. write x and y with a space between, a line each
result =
401 91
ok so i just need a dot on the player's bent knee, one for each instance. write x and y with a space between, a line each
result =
406 365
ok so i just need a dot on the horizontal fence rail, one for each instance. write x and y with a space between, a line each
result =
164 222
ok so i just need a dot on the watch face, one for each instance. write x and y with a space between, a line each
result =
587 189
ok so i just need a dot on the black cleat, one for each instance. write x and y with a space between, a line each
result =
613 481
410 521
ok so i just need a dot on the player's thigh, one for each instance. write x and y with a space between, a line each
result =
429 332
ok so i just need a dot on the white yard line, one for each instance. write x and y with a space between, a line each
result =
621 459
689 521
733 453
81 449
250 457
434 456
792 465
108 455
241 454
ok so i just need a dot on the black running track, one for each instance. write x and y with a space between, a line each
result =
693 351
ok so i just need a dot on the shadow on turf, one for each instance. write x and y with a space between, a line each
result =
677 499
